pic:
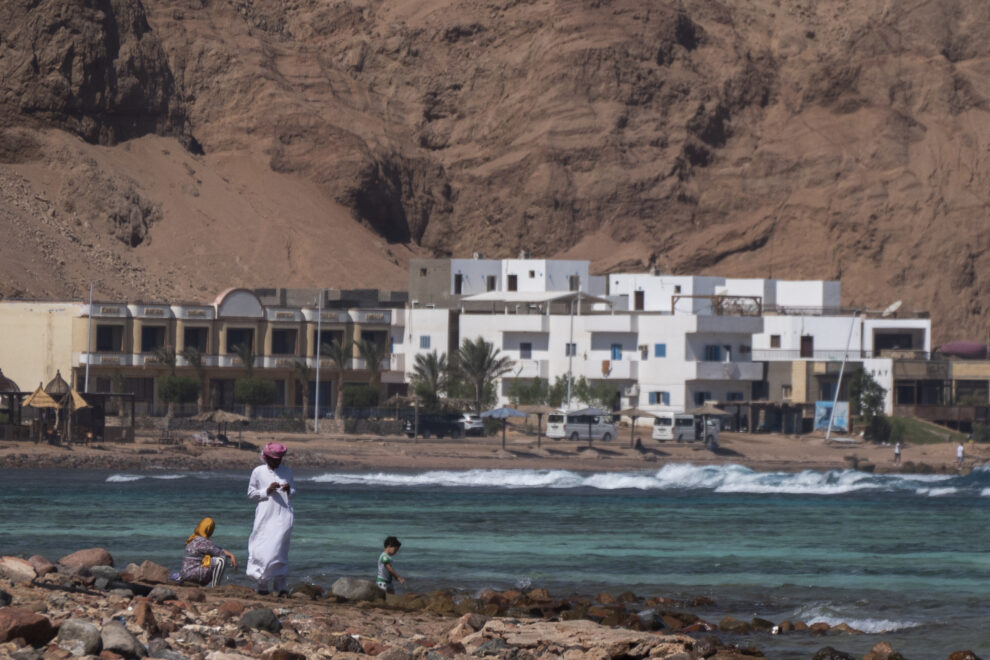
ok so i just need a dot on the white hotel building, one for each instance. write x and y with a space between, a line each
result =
666 342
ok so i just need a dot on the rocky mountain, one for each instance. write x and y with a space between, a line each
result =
176 147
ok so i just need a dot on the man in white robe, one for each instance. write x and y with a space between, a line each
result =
272 487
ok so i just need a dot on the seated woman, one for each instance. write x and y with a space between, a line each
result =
204 562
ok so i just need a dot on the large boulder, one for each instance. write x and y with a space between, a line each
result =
41 565
118 639
262 619
88 558
17 570
34 628
79 637
356 589
148 571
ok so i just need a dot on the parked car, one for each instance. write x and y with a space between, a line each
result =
473 424
435 424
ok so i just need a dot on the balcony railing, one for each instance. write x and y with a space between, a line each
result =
530 369
612 369
729 371
837 354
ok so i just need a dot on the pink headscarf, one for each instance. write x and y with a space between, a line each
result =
274 450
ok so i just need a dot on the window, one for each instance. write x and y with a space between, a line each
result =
284 342
774 341
660 350
734 396
152 337
574 283
713 353
526 351
639 301
807 346
644 352
458 283
785 392
677 288
701 397
422 272
195 338
513 283
660 398
424 341
239 337
109 338
616 352
490 283
570 349
104 385
532 274
142 388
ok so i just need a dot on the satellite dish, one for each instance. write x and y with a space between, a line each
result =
892 308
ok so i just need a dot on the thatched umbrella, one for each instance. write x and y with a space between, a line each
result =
539 410
41 399
8 394
708 409
634 413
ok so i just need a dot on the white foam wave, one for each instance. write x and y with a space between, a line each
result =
123 478
985 492
679 476
827 613
169 476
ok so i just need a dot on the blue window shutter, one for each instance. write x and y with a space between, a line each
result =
660 350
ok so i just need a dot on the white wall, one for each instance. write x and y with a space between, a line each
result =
548 274
882 370
659 289
808 293
434 323
474 273
830 333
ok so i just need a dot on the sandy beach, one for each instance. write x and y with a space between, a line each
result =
763 452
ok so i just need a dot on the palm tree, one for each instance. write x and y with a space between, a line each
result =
195 360
246 355
373 354
303 373
430 375
339 354
166 355
479 364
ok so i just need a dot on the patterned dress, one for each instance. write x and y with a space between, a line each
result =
192 563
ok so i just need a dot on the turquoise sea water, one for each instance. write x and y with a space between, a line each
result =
903 558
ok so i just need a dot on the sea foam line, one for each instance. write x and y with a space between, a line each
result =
679 476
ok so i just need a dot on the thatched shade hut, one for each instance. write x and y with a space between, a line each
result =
57 387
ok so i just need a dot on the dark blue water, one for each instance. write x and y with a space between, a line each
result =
901 558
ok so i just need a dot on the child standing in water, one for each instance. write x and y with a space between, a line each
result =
386 572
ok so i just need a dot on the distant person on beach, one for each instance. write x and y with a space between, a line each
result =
386 572
271 485
959 454
897 453
204 562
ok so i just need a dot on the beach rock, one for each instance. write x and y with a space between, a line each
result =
283 654
828 653
761 625
27 654
356 589
963 655
397 653
118 639
148 571
5 598
261 619
17 570
440 602
819 628
159 648
34 628
345 643
311 591
466 625
161 594
230 609
79 637
41 565
144 617
88 557
734 626
706 647
107 573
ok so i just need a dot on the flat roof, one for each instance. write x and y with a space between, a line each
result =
533 297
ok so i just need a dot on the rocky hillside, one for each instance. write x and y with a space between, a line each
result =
304 141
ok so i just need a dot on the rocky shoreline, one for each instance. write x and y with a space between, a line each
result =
82 606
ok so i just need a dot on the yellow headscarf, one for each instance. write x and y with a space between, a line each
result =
204 528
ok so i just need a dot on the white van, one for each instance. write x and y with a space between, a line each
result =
673 426
577 427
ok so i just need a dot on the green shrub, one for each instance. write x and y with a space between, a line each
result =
254 392
360 396
178 389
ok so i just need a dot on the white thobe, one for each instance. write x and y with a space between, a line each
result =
268 547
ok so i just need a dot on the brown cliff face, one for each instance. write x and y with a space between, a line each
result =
816 139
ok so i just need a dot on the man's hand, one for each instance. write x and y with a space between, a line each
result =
285 486
272 487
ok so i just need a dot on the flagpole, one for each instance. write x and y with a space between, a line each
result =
89 339
319 329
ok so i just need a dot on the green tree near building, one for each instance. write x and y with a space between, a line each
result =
252 391
338 353
192 355
479 365
430 377
302 372
866 397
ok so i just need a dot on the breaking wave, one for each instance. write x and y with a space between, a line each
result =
719 479
127 478
832 615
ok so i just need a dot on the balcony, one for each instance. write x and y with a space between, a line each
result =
612 369
521 322
371 316
625 323
530 369
834 354
393 362
729 371
104 359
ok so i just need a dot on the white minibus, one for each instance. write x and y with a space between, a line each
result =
673 426
578 427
